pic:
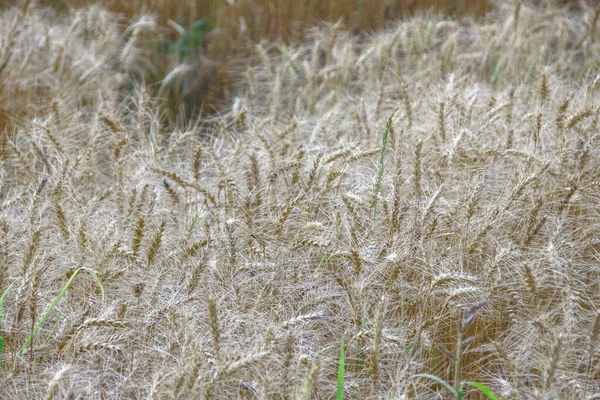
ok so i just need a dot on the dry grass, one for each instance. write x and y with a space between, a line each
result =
236 251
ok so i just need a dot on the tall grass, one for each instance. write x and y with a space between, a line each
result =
235 249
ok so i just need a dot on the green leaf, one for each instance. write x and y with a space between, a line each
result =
461 391
484 389
339 394
324 260
321 263
55 303
438 380
409 351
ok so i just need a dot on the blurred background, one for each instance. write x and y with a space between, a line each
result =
279 18
217 38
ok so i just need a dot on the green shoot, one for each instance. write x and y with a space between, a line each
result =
484 389
55 303
323 261
339 394
459 385
460 393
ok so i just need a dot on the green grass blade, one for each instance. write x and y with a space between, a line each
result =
321 263
440 381
339 394
484 389
55 303
409 351
460 393
48 311
324 260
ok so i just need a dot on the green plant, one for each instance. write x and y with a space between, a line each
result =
459 385
324 260
459 391
55 302
339 394
190 41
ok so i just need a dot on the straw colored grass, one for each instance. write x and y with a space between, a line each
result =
237 250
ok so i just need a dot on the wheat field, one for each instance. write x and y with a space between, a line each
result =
427 194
